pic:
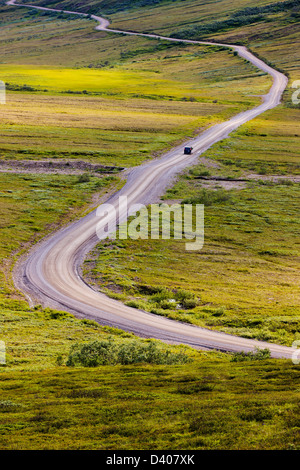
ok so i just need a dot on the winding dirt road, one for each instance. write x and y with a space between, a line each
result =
51 272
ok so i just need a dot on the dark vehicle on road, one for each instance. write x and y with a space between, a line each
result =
188 150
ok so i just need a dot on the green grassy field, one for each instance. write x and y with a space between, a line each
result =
147 94
210 404
79 94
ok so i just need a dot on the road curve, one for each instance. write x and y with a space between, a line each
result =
50 274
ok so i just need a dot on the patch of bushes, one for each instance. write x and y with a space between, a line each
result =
56 314
167 305
209 198
14 87
109 352
256 355
84 178
161 295
240 18
199 172
170 299
86 321
186 299
140 305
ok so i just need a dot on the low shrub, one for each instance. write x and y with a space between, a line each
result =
256 355
209 197
84 178
168 299
189 303
108 352
167 305
162 295
186 299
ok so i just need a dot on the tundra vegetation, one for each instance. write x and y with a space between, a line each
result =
74 94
